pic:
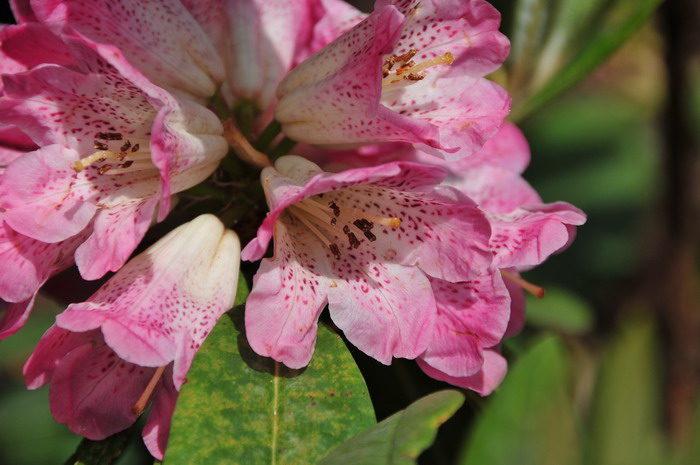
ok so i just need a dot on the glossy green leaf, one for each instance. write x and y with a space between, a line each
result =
529 420
238 407
401 438
560 310
626 405
557 43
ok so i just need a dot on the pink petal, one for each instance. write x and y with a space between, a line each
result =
517 308
13 316
385 310
484 382
338 18
528 235
161 305
466 28
467 111
289 292
29 263
157 428
92 390
52 347
116 234
31 44
38 194
471 316
162 40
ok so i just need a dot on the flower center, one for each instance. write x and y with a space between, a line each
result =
128 155
328 221
401 71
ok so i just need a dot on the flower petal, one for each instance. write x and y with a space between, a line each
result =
385 310
527 236
162 304
471 316
484 382
161 39
288 295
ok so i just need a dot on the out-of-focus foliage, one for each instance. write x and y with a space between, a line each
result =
556 43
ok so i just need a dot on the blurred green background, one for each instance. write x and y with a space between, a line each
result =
606 371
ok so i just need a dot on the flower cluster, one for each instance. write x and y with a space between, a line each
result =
411 224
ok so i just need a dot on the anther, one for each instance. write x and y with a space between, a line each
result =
103 169
335 251
109 135
125 147
99 145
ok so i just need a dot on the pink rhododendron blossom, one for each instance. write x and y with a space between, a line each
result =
261 40
365 241
474 316
133 341
160 39
112 150
411 71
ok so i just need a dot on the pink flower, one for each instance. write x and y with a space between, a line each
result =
409 72
160 39
474 316
364 241
261 40
134 339
113 148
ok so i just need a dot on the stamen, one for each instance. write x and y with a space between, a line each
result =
99 156
109 135
410 72
537 291
140 404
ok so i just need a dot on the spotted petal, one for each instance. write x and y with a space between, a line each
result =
162 304
472 316
161 39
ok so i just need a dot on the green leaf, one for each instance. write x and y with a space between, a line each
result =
238 407
401 438
529 420
104 452
557 43
626 405
560 310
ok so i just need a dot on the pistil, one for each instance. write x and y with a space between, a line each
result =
537 291
140 404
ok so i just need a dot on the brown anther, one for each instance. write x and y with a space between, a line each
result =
135 148
334 221
406 56
99 145
127 164
335 251
103 169
354 242
109 135
414 77
385 72
335 208
125 147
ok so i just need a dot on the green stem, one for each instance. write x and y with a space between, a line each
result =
283 148
246 111
267 136
220 108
